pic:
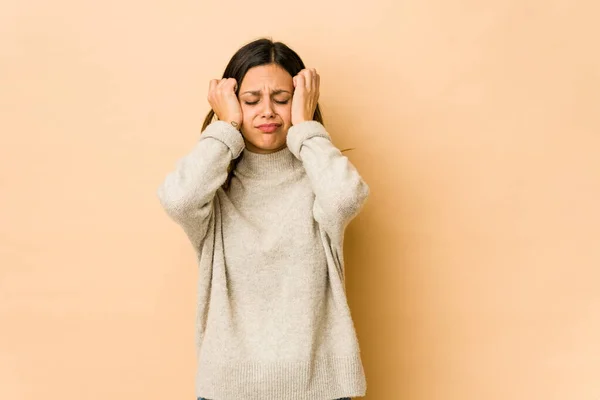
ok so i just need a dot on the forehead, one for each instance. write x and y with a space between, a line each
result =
270 76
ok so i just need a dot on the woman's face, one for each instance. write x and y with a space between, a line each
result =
265 96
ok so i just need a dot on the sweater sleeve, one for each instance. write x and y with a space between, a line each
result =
188 191
339 190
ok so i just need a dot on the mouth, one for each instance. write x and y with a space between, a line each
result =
267 128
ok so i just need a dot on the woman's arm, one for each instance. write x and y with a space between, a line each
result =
339 190
187 192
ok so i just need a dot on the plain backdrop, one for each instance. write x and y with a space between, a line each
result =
473 271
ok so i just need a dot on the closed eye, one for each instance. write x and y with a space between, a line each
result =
251 103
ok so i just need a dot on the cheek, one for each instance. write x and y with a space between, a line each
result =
247 113
285 111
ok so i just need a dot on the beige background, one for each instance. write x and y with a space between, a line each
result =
473 272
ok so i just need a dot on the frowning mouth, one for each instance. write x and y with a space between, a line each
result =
268 127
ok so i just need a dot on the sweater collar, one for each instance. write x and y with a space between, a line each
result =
282 162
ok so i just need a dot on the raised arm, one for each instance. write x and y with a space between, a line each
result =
339 190
186 194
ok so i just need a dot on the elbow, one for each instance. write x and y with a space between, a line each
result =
364 191
183 206
352 199
174 205
335 212
359 197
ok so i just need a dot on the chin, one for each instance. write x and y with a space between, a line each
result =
267 143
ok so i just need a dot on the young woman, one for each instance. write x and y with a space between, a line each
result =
264 197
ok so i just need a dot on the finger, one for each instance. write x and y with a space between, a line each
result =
227 85
222 83
300 81
313 73
232 84
317 81
307 79
212 85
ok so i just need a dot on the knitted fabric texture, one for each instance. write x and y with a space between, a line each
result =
272 321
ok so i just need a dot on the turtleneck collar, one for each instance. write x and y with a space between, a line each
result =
257 165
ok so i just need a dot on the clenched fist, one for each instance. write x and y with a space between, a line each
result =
224 102
306 95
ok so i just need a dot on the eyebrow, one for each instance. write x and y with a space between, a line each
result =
274 92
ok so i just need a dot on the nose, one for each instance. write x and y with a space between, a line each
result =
268 110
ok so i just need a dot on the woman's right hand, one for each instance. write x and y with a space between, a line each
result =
224 102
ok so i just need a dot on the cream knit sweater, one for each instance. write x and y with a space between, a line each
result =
273 322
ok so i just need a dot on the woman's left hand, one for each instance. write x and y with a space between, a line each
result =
306 95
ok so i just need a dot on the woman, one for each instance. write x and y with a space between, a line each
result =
264 197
